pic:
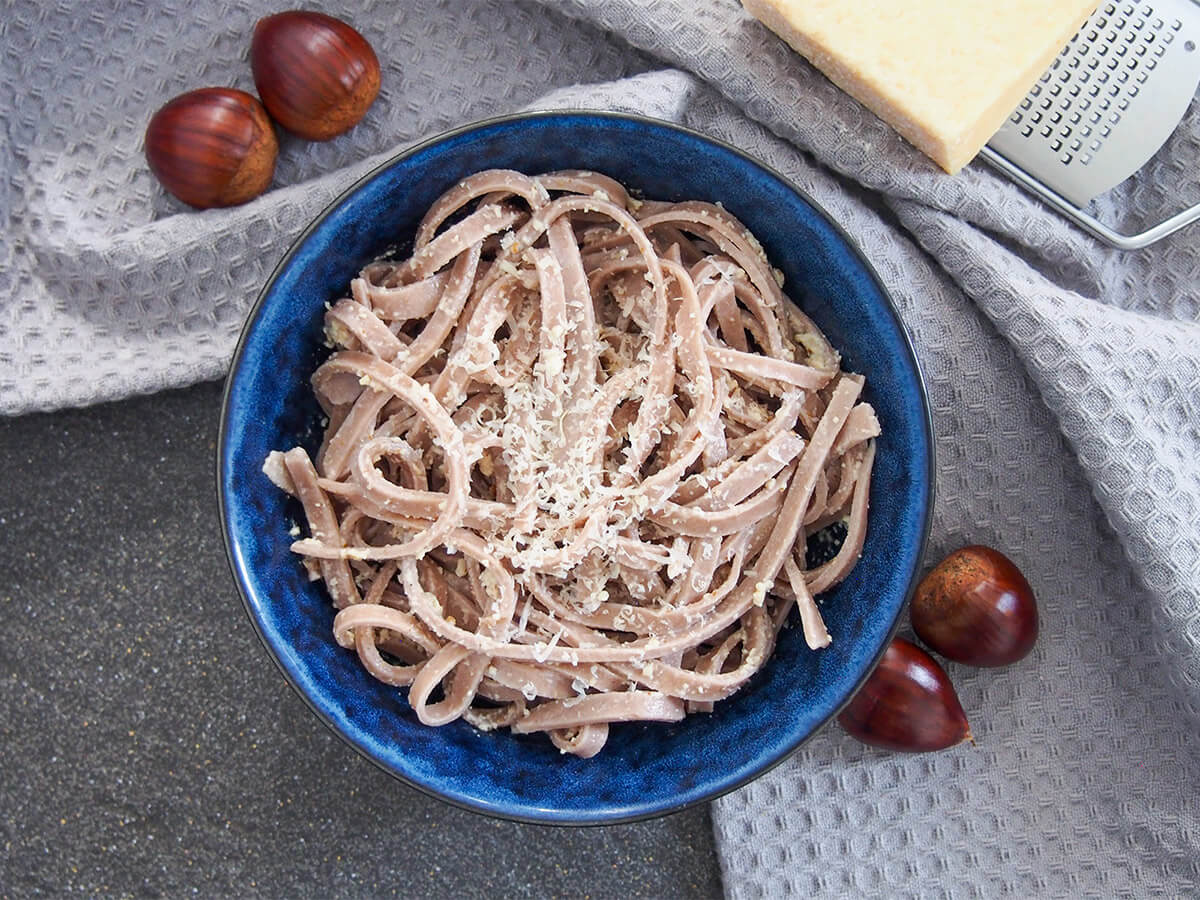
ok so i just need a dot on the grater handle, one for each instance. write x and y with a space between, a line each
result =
1088 223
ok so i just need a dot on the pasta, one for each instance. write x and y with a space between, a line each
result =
575 445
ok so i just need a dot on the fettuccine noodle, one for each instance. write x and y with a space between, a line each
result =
576 443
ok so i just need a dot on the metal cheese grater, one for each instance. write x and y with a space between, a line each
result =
1105 106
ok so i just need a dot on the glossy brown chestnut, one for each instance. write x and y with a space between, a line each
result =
316 75
976 607
212 147
907 704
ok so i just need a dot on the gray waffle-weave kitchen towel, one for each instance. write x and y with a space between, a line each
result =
1064 379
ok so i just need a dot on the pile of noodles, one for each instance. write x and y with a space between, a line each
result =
575 445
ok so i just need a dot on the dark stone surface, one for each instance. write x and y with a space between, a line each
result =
149 747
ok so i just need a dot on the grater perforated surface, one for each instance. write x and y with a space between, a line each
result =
1109 101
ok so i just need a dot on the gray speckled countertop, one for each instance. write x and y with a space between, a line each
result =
149 747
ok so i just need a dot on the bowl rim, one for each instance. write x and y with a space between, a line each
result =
574 819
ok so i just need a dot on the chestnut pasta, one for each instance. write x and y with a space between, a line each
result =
575 445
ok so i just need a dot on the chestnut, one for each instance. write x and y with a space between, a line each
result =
212 147
907 704
315 74
976 607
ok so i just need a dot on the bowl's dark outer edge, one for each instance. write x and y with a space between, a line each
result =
565 113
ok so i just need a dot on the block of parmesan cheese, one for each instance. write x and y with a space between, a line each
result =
943 73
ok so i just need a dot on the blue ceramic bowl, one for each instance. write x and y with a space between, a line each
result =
645 769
